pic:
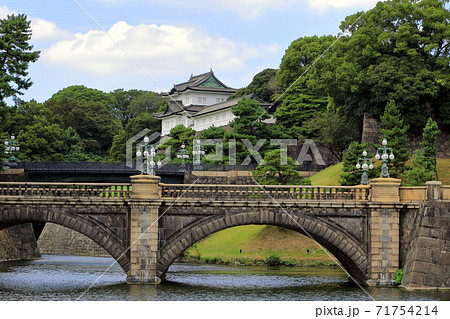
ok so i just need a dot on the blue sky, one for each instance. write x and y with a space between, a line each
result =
152 44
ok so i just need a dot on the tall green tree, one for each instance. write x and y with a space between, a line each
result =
350 174
248 125
397 51
300 56
428 145
419 173
123 100
83 93
149 102
299 106
15 55
91 120
395 134
332 130
262 85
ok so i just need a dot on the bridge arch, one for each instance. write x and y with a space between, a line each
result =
345 248
91 228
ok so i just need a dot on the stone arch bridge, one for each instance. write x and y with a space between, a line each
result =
147 225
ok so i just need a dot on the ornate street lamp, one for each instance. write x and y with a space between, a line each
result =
149 164
197 152
365 167
11 148
384 158
183 154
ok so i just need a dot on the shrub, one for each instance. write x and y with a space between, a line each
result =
289 263
273 260
398 276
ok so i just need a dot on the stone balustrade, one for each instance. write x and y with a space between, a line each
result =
406 194
71 190
265 192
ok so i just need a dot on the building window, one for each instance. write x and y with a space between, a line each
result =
204 101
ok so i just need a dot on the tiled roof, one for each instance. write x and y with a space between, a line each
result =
195 82
176 107
228 104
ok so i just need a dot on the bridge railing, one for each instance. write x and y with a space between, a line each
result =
265 193
73 190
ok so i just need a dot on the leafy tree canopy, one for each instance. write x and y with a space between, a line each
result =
82 93
91 120
149 102
330 129
262 85
123 100
400 51
298 107
300 55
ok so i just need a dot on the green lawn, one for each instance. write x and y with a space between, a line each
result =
328 176
252 244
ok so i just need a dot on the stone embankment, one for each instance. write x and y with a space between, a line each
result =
428 259
60 240
18 243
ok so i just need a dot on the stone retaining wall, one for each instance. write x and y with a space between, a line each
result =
18 243
428 257
59 240
371 133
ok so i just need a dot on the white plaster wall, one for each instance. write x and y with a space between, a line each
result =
219 118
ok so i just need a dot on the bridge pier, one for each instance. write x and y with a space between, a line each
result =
144 230
384 232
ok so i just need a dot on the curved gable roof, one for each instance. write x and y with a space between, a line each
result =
206 81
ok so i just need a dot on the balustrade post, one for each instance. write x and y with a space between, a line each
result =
144 230
385 190
384 224
434 190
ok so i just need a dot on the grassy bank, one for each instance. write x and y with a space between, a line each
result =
330 175
254 244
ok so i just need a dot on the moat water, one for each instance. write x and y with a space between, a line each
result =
68 277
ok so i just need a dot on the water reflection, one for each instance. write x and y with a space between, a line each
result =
56 277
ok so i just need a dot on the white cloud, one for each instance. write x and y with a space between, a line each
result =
4 11
163 50
41 29
45 30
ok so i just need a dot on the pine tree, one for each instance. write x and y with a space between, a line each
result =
352 175
15 55
418 173
279 169
428 145
395 134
